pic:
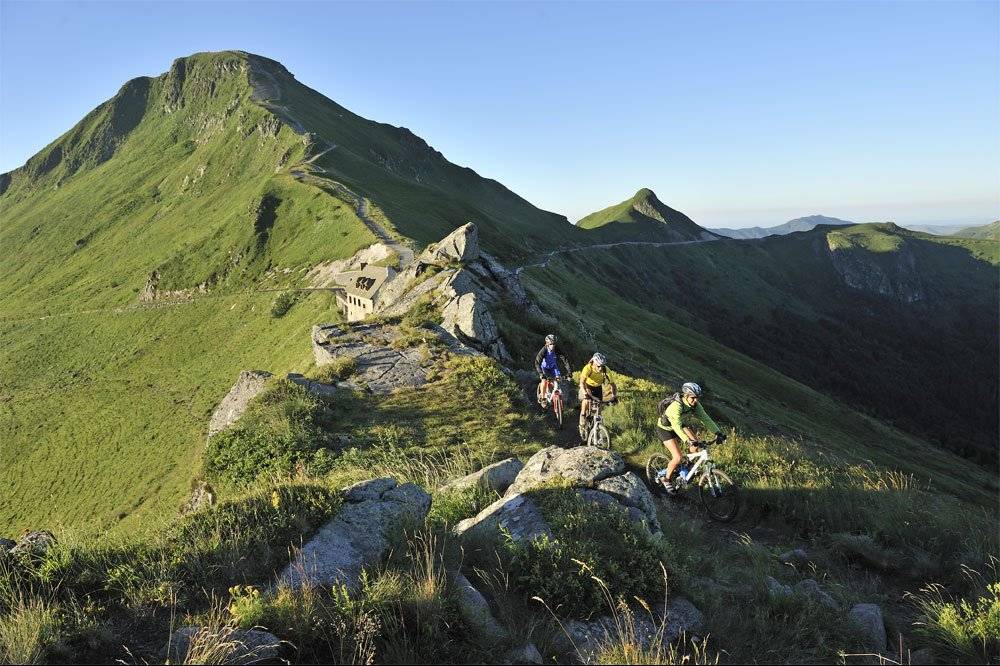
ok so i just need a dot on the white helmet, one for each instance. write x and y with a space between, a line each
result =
550 338
598 360
690 388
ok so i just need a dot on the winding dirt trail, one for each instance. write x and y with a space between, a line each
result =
603 246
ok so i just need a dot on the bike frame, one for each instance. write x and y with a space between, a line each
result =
551 388
700 459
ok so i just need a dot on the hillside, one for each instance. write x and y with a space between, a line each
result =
865 313
987 231
643 217
807 223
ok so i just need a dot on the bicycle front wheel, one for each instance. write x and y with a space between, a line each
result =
720 495
600 437
654 466
557 408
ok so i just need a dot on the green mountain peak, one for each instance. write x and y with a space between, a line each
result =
644 217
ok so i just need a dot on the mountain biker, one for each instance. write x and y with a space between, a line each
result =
593 378
547 365
670 426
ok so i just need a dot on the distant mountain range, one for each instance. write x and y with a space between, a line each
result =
798 224
988 231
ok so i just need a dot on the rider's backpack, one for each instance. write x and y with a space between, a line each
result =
666 402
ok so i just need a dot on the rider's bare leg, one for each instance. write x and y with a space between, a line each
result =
584 411
540 391
675 456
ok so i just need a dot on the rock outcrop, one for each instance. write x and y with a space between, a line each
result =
595 474
358 536
497 477
247 387
33 544
379 367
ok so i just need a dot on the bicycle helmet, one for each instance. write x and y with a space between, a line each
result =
599 360
550 338
690 388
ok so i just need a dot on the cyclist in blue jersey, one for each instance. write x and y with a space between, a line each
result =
547 366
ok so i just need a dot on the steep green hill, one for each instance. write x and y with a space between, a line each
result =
643 217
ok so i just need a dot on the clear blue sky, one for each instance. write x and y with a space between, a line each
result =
736 113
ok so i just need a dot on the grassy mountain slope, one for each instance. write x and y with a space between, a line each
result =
989 231
868 313
643 217
807 223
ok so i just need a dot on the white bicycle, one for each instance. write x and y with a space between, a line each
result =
719 494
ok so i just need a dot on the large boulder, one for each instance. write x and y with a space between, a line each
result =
667 624
496 477
461 245
247 387
359 536
868 620
198 645
516 514
466 317
581 466
630 491
475 610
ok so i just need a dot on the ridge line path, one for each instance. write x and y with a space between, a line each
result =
603 246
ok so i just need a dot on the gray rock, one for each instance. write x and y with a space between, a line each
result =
466 317
322 391
868 620
582 466
232 407
515 513
680 618
811 590
629 490
379 367
525 654
6 545
461 245
33 544
243 646
475 610
358 536
797 557
496 477
776 589
605 500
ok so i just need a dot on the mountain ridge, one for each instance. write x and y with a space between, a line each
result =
806 223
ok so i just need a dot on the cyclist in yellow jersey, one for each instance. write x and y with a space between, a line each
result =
593 378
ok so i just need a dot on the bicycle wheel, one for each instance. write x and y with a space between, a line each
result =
654 465
720 495
557 408
599 437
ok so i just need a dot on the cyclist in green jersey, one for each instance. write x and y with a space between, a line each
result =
670 426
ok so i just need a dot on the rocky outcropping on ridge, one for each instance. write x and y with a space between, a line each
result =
380 368
359 535
247 387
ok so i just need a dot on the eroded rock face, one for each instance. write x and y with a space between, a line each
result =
358 536
582 466
461 245
496 477
247 387
894 275
467 318
379 368
244 646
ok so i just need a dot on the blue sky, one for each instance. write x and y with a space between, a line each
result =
737 113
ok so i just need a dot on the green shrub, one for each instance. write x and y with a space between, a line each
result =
281 430
283 303
964 630
590 541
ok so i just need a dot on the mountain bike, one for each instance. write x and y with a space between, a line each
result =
719 494
553 397
594 432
